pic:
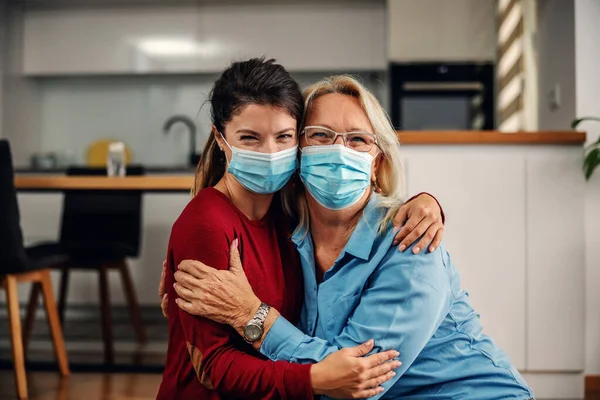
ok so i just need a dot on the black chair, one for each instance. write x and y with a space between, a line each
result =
18 264
100 230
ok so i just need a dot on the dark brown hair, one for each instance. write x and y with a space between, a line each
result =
255 81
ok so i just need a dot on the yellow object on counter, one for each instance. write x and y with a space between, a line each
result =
97 153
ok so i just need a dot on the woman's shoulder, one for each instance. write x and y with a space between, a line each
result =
391 257
209 209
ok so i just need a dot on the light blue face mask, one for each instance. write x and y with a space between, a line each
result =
262 173
335 175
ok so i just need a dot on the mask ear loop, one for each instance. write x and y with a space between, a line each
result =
223 151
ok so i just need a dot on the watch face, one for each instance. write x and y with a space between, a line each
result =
253 332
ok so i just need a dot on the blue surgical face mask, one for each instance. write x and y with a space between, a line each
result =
335 175
262 173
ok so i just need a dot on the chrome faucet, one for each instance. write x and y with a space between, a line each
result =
194 157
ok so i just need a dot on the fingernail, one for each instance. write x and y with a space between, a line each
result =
235 243
370 342
416 250
432 249
164 296
396 354
398 363
402 247
395 243
393 373
379 389
175 284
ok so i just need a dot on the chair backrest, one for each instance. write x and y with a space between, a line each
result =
96 219
12 253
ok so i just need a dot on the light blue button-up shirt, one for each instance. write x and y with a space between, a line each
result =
410 303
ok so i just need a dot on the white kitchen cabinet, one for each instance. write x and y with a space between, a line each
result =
483 198
515 230
332 36
555 260
448 30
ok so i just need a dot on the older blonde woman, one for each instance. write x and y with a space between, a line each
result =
356 285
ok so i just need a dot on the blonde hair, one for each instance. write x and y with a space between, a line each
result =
390 175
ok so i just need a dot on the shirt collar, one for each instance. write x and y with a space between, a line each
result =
361 241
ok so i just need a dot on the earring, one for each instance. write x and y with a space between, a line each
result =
375 185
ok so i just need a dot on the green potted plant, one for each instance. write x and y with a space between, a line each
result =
591 158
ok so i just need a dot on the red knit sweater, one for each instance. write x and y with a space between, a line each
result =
210 361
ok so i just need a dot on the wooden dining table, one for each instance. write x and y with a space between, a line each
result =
60 183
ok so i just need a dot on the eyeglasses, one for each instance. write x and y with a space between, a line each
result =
321 136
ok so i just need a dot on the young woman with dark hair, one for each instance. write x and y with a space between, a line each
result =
256 110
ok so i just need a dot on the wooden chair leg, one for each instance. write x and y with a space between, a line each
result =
62 294
54 322
14 316
34 296
109 354
134 306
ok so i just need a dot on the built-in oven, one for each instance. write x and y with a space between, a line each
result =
442 96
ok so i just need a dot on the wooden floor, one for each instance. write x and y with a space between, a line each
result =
83 386
94 386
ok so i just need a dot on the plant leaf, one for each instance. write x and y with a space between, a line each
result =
577 121
591 162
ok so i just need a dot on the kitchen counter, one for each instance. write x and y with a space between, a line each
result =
492 137
148 183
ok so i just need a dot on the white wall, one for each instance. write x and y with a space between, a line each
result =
556 55
587 83
2 58
74 112
20 122
448 30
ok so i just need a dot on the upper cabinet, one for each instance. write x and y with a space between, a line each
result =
434 30
328 36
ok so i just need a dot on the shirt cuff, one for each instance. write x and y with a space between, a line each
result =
436 200
281 341
297 381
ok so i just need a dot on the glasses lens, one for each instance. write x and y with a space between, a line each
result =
360 141
319 136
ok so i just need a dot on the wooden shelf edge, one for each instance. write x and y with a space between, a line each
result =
491 137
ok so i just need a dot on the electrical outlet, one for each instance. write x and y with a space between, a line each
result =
554 98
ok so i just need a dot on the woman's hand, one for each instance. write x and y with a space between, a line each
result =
162 292
224 296
424 217
348 374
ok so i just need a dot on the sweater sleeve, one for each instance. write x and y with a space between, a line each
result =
222 361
